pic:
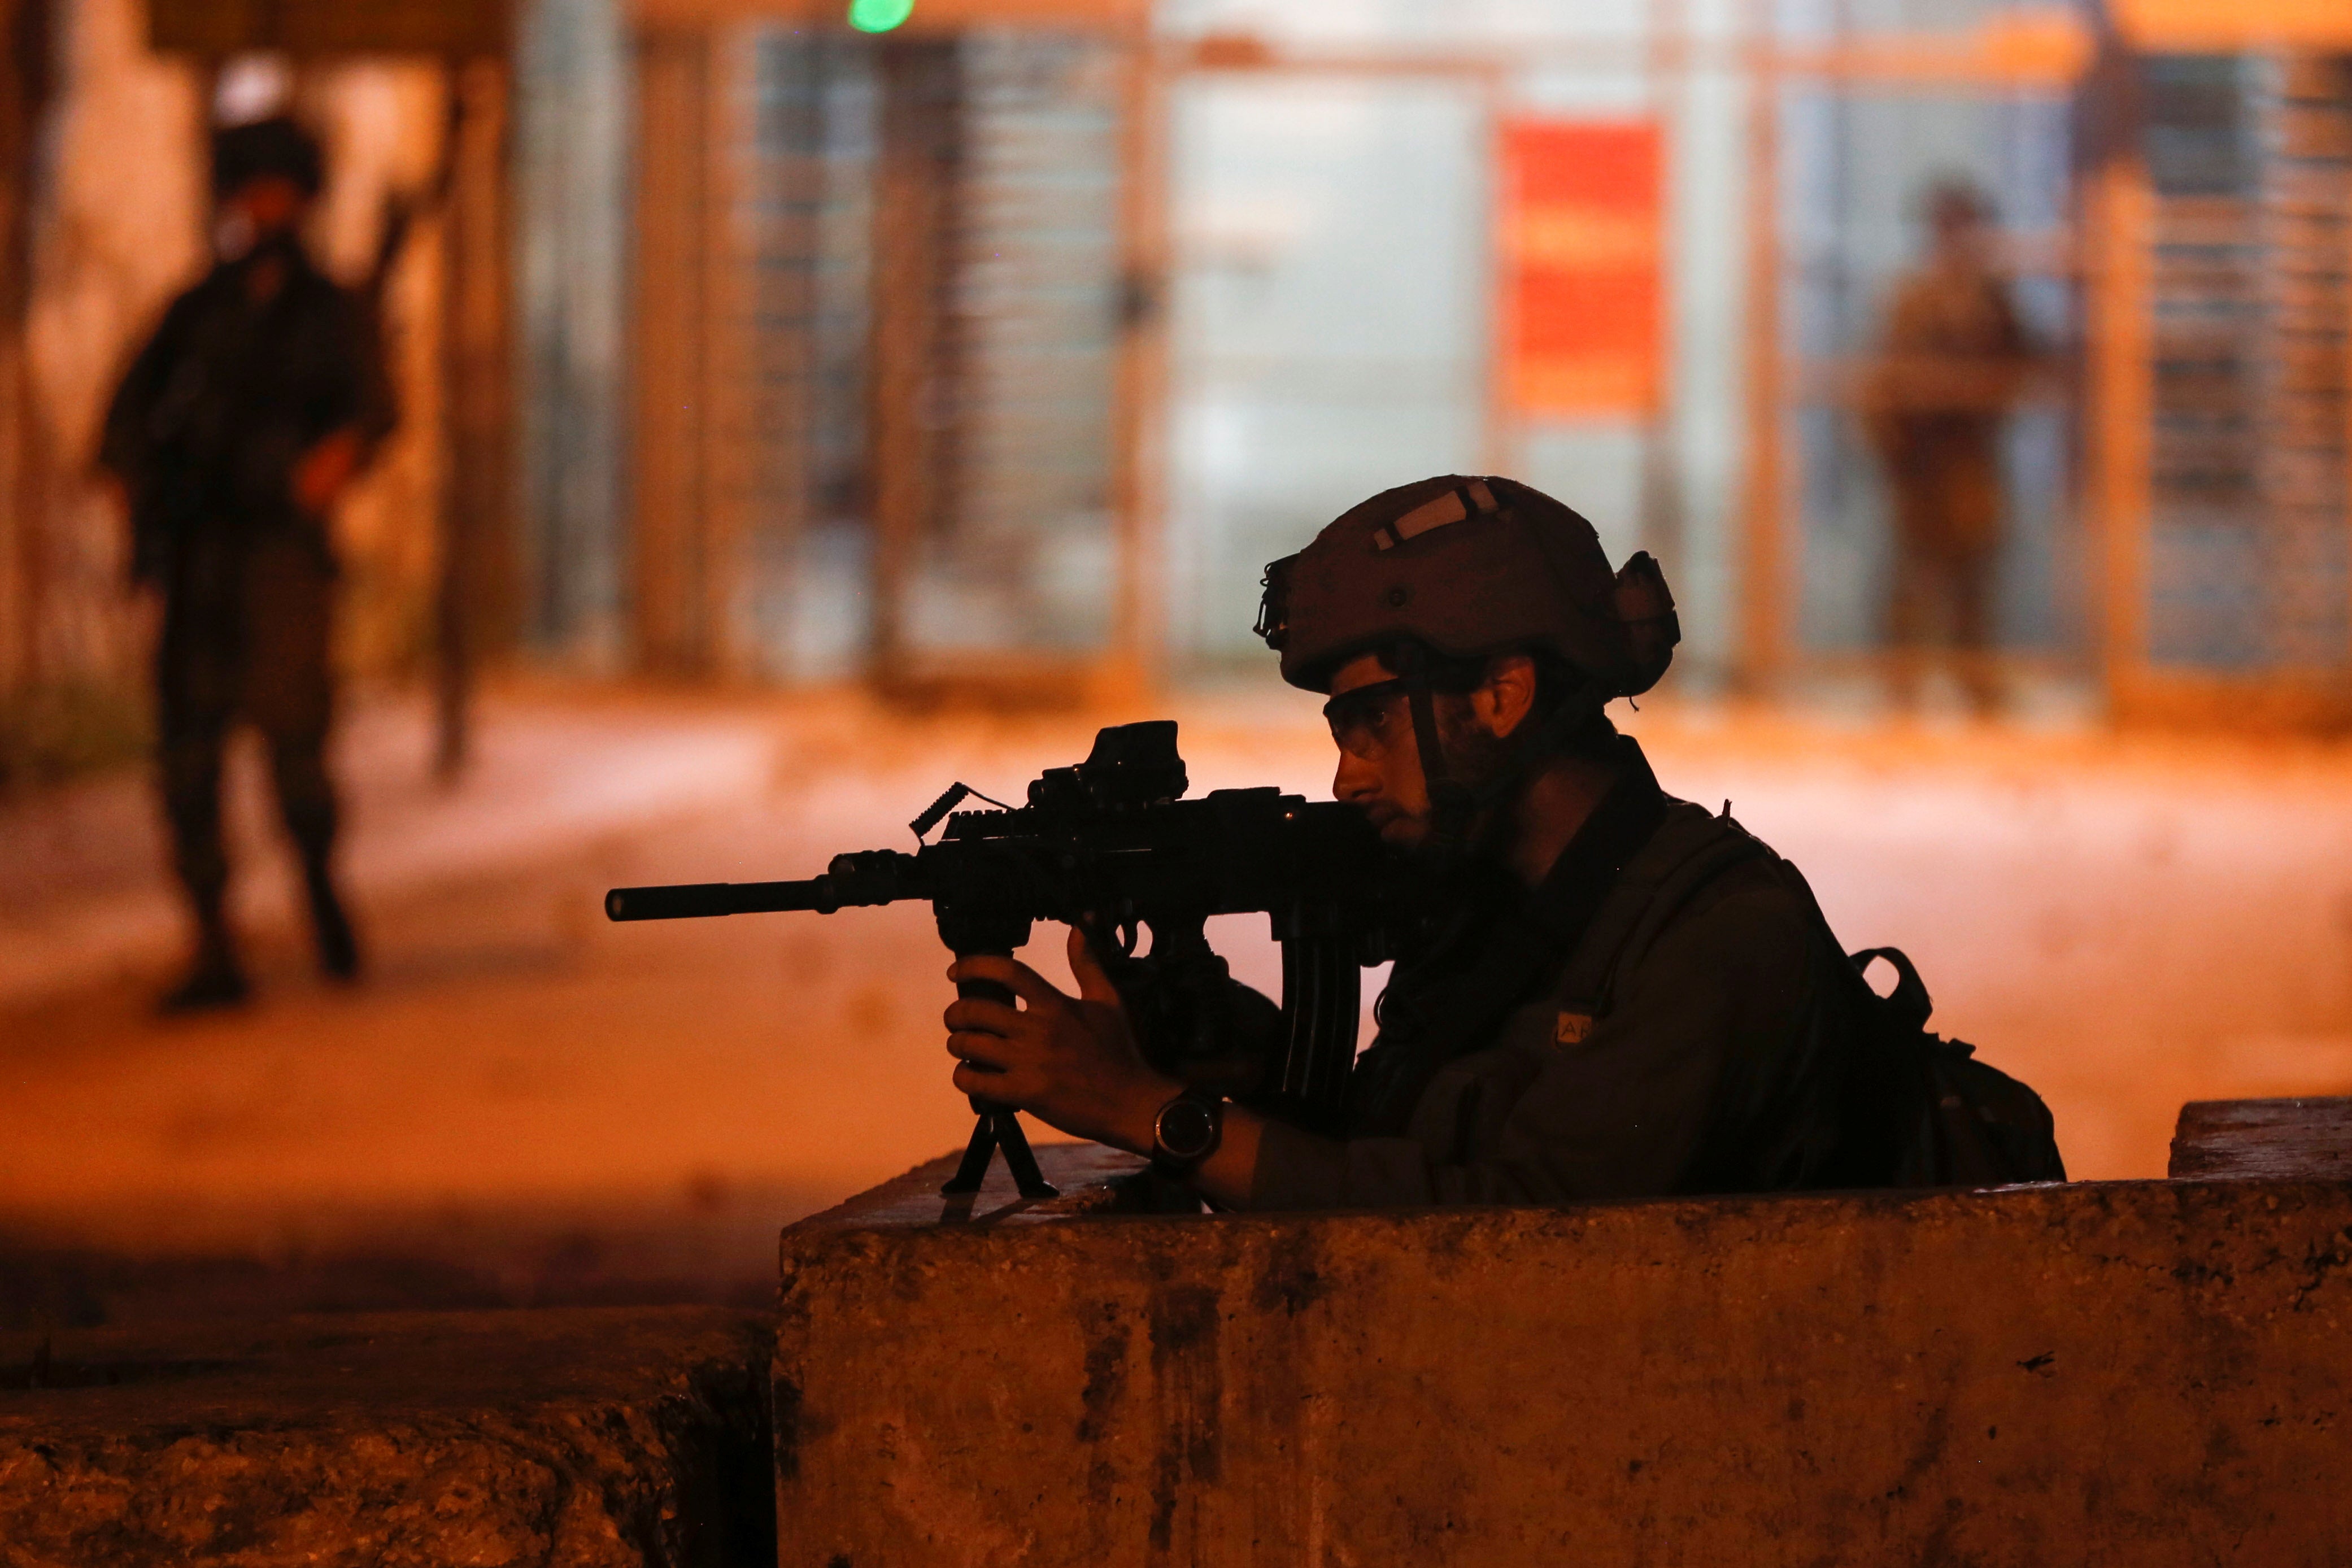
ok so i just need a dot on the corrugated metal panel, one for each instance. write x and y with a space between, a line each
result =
1018 554
1035 296
805 215
923 314
2251 162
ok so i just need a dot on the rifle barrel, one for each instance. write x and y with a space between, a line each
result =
695 900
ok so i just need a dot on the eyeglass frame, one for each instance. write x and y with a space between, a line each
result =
1358 709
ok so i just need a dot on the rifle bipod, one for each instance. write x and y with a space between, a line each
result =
998 1128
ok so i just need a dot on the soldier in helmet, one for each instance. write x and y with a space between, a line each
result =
1609 992
256 401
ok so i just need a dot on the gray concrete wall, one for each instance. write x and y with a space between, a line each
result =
2143 1373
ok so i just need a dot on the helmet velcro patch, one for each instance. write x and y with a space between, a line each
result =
1455 504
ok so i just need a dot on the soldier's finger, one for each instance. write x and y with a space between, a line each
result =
984 1051
972 1079
977 1012
1014 976
989 966
1094 986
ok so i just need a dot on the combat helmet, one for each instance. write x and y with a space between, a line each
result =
1460 568
1466 567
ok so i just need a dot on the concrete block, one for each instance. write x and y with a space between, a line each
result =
595 1438
2307 1140
2147 1373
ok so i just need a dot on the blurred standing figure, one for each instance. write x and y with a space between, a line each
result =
257 400
1952 358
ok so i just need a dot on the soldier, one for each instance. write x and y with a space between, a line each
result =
1611 993
1952 357
256 401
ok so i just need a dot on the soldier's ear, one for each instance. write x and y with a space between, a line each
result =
1508 696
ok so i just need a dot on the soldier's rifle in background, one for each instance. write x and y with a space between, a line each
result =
1108 845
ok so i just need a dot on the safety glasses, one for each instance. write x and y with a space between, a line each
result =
1367 720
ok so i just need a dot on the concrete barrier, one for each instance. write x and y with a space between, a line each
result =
2149 1373
2305 1139
568 1438
2143 1372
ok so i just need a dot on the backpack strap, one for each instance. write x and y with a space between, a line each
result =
1911 1104
1462 1011
1909 999
1644 908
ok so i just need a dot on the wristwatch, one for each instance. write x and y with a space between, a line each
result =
1185 1133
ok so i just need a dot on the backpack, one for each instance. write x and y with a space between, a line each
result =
1919 1110
1974 1125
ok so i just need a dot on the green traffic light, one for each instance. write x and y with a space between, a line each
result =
879 16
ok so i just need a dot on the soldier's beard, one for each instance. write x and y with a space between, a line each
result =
1476 758
1474 755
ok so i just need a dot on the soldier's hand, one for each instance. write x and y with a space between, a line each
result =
1070 1061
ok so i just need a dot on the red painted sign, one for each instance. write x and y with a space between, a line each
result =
1581 242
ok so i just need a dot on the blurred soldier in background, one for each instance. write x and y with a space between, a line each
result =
1951 362
257 400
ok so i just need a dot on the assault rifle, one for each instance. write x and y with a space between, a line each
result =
1109 847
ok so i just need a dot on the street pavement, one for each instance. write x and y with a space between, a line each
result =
525 1103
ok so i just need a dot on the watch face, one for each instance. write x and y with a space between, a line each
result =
1187 1128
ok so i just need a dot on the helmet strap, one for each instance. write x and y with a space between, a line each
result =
1451 803
1455 803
